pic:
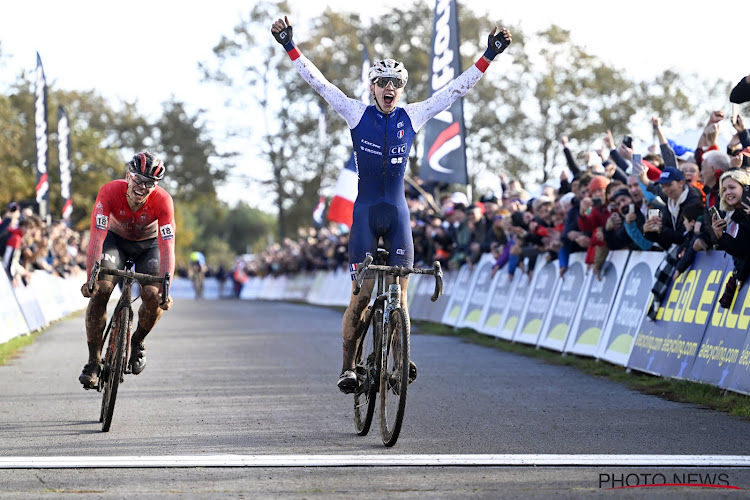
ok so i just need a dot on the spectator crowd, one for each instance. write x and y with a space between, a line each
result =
676 199
29 243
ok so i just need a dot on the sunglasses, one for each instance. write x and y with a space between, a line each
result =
383 82
143 181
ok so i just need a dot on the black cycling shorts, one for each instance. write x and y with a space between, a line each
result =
145 254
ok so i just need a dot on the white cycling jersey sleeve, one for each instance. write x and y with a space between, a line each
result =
420 112
350 109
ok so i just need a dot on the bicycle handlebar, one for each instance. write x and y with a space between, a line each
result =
361 268
397 271
143 279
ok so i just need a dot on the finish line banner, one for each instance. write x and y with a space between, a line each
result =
668 345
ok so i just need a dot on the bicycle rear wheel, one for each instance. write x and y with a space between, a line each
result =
114 367
394 377
367 366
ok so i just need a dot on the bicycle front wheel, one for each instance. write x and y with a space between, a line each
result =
394 377
114 367
367 368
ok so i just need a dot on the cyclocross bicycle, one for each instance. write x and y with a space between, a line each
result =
382 360
115 360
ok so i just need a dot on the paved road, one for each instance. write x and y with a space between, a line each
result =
247 379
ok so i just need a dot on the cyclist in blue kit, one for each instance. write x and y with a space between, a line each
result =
382 135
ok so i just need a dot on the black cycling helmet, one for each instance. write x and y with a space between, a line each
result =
147 165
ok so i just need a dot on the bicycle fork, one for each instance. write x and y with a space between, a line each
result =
393 302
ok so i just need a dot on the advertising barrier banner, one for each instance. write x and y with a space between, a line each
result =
631 302
724 355
668 345
478 294
543 287
597 297
516 305
436 310
500 293
459 291
564 305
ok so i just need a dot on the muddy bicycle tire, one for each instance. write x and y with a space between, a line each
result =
115 367
367 368
394 377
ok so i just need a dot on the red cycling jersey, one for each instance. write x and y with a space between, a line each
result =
154 219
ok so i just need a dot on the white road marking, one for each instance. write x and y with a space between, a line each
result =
373 460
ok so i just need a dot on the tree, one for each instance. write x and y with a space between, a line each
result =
195 167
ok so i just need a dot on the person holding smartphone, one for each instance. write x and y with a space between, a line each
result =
668 228
733 230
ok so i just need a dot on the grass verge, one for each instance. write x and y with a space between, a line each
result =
704 395
10 349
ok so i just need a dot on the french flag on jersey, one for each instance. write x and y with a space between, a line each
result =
342 204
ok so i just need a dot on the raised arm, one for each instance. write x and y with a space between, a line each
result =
350 109
667 153
420 112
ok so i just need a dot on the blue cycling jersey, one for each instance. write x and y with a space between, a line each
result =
381 144
381 150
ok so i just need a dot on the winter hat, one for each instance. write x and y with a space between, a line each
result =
598 182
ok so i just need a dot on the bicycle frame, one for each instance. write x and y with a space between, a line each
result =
392 348
118 348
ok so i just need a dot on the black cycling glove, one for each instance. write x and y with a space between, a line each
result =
496 44
284 37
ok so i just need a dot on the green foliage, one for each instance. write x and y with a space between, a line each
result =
103 139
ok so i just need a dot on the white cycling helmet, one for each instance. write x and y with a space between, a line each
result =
388 68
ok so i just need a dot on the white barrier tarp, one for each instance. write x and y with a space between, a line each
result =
31 308
12 322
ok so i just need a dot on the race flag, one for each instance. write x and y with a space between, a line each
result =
444 153
342 203
63 152
40 123
318 212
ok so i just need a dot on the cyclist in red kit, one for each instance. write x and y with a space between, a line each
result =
133 219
